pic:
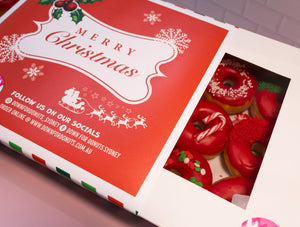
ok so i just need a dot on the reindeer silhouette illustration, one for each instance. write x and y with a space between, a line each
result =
100 113
141 121
110 118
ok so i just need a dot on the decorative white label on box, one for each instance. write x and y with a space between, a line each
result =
122 62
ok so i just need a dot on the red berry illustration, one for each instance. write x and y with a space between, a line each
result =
70 6
59 3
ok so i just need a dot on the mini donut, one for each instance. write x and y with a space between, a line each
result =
207 130
229 186
232 87
246 146
191 166
267 102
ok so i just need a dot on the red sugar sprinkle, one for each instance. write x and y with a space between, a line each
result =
252 130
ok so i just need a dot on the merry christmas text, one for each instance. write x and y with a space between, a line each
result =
67 41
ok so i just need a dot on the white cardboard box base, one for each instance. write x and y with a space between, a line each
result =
176 202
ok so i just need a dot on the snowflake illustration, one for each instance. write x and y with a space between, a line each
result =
152 17
128 111
8 49
33 72
85 89
110 103
95 95
176 37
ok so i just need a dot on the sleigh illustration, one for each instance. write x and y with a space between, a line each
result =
72 102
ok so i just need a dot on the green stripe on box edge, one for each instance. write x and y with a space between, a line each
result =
16 147
136 212
220 21
62 172
89 187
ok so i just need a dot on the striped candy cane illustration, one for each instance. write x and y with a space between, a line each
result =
213 129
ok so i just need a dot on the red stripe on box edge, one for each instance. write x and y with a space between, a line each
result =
38 159
117 202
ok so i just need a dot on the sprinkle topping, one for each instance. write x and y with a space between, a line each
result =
232 83
234 64
235 93
186 160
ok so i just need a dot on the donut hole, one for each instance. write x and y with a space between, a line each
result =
199 125
258 149
229 82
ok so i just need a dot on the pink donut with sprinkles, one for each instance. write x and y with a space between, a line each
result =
232 87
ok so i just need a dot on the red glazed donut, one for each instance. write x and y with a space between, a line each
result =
207 130
266 104
232 87
227 187
6 4
191 166
246 146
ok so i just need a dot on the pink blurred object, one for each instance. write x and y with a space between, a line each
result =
259 222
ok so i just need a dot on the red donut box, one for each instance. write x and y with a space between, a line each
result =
99 91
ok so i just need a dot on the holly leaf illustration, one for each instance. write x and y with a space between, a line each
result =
46 2
57 13
88 1
77 15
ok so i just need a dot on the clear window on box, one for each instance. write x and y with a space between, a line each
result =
222 147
